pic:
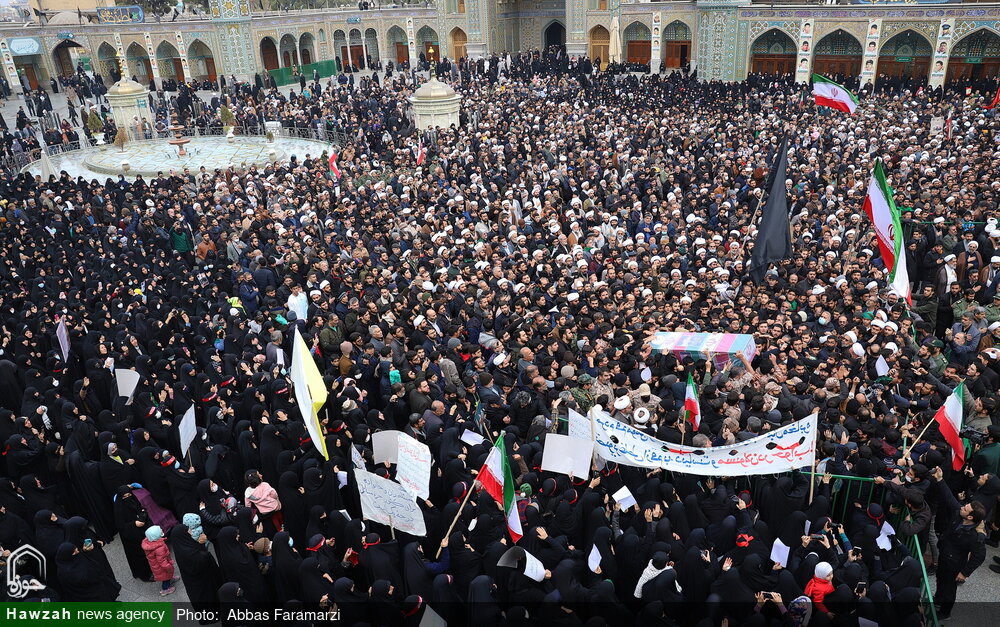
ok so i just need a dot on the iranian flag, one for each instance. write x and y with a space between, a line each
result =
996 100
884 215
498 482
830 94
949 419
692 411
421 153
334 170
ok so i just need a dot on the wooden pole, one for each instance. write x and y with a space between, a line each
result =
910 448
454 520
392 528
812 483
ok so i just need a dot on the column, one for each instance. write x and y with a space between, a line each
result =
803 60
717 46
576 27
942 52
411 42
10 69
154 63
183 51
869 62
475 15
656 36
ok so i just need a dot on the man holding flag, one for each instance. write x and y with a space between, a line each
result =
884 215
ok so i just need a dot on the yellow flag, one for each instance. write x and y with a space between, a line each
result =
310 391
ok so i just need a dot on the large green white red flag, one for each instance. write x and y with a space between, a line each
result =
949 419
498 482
830 94
884 215
692 410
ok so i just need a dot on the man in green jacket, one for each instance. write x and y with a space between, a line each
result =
180 239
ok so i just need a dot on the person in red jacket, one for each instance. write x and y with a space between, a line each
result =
820 585
158 556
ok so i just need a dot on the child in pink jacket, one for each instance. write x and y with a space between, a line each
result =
158 556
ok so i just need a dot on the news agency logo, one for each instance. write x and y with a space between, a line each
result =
19 559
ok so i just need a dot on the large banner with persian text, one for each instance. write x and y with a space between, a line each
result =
786 448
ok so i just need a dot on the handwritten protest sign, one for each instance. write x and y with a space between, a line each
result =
579 426
413 466
567 455
783 449
389 503
533 568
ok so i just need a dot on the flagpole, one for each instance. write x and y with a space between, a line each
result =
910 448
454 520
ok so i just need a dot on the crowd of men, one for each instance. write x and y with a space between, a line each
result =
519 271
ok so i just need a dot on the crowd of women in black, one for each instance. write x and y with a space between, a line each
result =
520 271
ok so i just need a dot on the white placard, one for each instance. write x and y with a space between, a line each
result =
385 446
532 567
786 448
62 334
579 426
342 477
188 430
127 380
624 498
413 466
881 366
431 618
567 455
883 540
594 560
471 438
779 553
357 458
389 503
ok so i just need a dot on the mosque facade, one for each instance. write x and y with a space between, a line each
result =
721 39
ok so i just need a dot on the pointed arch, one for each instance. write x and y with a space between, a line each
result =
201 61
906 54
676 44
838 55
269 53
976 56
168 61
427 43
288 50
773 52
399 47
600 46
457 40
554 34
307 48
638 45
139 64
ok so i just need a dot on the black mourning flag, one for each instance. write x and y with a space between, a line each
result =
774 235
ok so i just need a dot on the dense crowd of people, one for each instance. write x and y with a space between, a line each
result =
520 271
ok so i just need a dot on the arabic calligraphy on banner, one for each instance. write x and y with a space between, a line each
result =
787 448
121 15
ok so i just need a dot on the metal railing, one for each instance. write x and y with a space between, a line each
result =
844 491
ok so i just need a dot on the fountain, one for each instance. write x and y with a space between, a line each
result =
178 140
